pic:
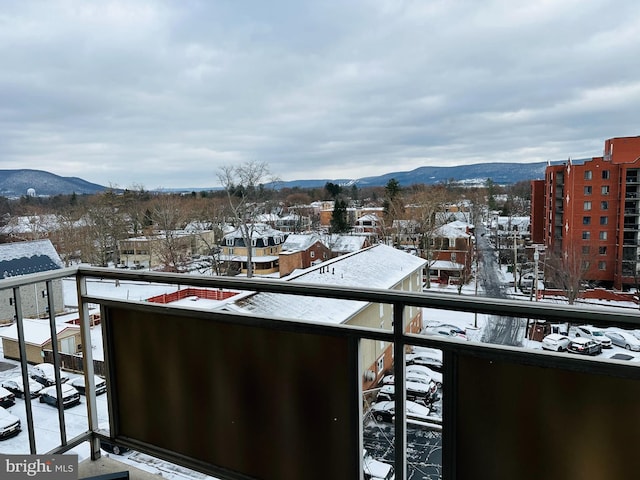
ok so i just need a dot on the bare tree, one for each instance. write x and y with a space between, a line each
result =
172 246
567 271
244 185
106 226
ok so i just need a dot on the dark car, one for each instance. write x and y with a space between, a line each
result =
9 424
16 386
44 373
7 398
100 384
70 396
584 346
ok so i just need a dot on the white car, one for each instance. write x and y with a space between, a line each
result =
385 411
623 339
450 331
555 342
426 371
415 378
593 333
9 424
99 382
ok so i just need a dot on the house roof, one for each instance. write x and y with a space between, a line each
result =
257 230
22 258
346 243
379 266
299 242
449 231
36 332
446 265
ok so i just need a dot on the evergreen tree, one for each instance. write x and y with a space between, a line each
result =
339 222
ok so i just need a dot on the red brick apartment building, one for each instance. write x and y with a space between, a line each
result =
591 210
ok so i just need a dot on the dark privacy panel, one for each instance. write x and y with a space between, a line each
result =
525 422
268 404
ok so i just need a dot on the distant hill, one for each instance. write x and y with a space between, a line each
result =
15 183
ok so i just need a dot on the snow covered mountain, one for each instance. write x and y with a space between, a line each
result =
16 183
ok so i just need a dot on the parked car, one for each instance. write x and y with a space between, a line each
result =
44 373
7 398
428 357
9 424
450 331
376 470
417 392
584 346
385 411
623 339
70 396
16 386
415 378
423 370
555 342
593 333
79 384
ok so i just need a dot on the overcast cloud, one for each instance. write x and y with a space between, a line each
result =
164 93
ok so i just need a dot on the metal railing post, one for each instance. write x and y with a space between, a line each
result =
400 425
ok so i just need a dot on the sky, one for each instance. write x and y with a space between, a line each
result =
163 94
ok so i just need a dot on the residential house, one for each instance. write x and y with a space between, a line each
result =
302 251
451 253
37 338
343 244
23 258
266 243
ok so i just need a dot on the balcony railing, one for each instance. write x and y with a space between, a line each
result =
490 392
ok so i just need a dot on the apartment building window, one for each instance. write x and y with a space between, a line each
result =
587 205
586 264
603 235
602 250
605 190
588 174
605 174
586 235
604 220
585 249
586 220
604 205
587 190
602 265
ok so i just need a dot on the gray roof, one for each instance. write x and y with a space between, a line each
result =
22 258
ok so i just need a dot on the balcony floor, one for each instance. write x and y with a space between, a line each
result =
102 466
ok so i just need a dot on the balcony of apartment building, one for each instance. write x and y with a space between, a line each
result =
237 395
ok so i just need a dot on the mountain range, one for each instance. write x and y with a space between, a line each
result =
16 183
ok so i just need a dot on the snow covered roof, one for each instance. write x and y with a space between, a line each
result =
449 231
299 242
257 230
346 243
36 332
446 265
21 258
379 266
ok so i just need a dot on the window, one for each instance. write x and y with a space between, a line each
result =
605 174
587 175
586 220
585 249
604 205
587 190
254 242
229 242
602 265
605 190
602 250
585 265
604 220
586 235
587 205
312 254
380 364
603 235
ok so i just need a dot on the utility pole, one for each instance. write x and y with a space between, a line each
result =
536 259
